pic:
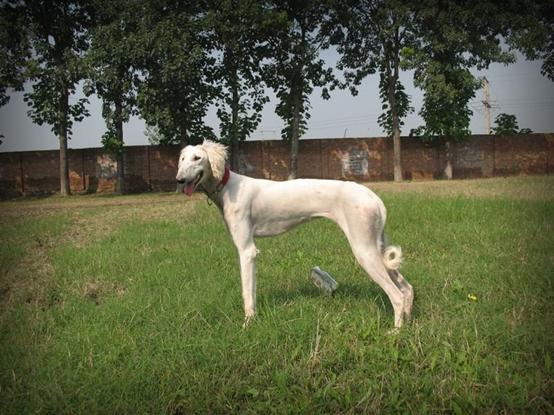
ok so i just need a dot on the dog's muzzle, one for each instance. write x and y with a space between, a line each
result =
189 186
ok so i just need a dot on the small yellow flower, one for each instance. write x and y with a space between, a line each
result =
472 297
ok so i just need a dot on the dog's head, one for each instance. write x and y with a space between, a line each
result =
201 163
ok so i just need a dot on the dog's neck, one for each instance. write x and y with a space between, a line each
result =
213 187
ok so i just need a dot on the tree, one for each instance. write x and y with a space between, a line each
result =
239 28
295 67
506 124
14 49
454 37
530 29
57 33
447 92
371 36
175 86
153 135
111 65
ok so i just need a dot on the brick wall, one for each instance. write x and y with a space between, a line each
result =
153 168
371 159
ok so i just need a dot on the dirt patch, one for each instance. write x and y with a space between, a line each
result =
93 224
96 291
30 279
95 217
101 200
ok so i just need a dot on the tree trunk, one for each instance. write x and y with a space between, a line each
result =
397 156
118 120
448 154
63 106
397 159
295 136
297 91
235 139
184 142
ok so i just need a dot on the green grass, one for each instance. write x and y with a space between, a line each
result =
135 307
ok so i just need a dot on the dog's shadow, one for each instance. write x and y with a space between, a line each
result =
346 291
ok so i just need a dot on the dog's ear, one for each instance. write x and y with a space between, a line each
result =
217 156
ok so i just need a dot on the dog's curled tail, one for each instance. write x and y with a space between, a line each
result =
392 257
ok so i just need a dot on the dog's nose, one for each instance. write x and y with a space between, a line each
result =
182 181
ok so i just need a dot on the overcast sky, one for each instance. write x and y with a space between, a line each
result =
517 89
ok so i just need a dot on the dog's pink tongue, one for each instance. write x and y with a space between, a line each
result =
189 188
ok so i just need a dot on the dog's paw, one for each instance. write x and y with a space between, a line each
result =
394 331
248 320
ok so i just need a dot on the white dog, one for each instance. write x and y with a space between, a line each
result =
256 207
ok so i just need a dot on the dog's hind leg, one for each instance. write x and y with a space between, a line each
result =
372 262
400 281
367 250
406 289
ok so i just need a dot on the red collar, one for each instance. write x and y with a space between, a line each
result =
225 179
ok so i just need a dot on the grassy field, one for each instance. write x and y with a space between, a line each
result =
132 305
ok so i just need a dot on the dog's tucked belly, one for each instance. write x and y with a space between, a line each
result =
276 227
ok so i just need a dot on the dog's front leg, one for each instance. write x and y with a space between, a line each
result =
244 241
248 280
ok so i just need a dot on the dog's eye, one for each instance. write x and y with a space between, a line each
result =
196 158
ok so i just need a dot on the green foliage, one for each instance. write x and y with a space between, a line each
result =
248 114
177 70
372 36
58 41
111 65
531 30
14 49
506 124
153 134
447 93
240 29
396 109
295 67
111 142
462 35
47 98
454 38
